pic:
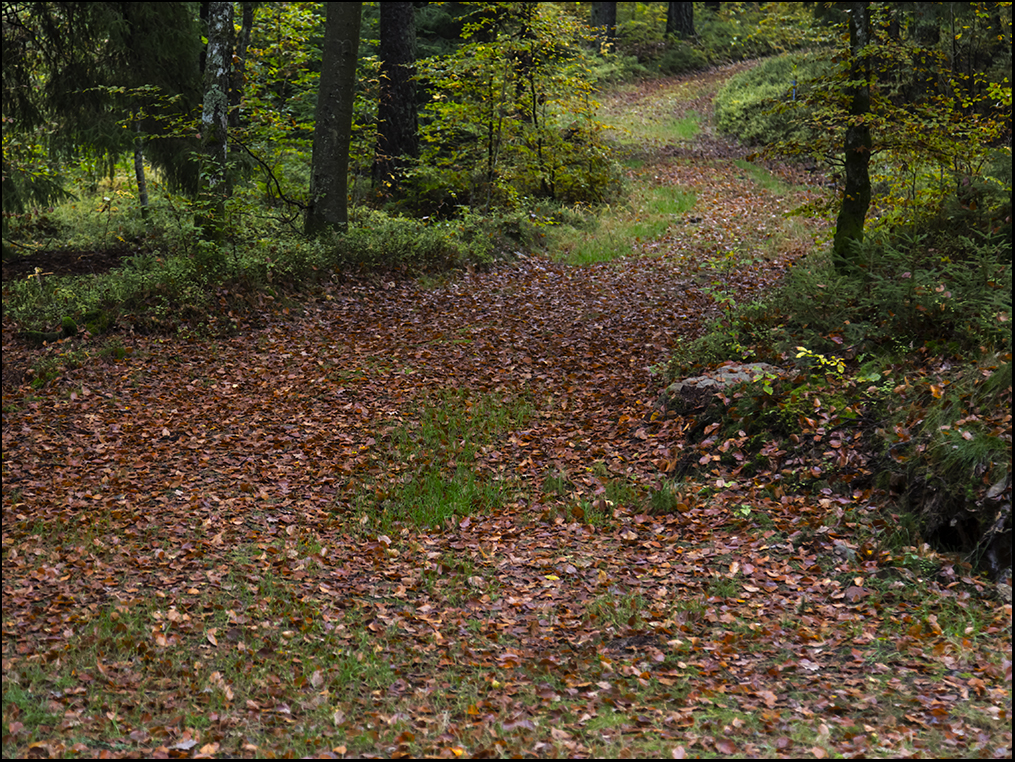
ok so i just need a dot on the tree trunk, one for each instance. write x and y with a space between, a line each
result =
214 117
239 73
139 175
329 181
604 21
857 195
396 112
680 19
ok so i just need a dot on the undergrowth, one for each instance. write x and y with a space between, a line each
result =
746 105
729 33
906 359
174 281
919 290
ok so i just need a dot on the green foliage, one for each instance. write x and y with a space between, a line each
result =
738 32
172 279
721 341
682 57
512 115
932 289
833 365
641 30
950 291
747 105
87 70
439 27
30 179
282 67
378 240
937 115
742 31
939 289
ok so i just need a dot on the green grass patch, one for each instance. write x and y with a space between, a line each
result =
763 178
431 498
649 214
429 461
635 128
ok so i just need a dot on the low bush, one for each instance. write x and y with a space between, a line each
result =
167 283
682 58
737 32
747 106
927 287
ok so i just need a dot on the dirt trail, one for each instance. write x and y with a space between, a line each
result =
188 462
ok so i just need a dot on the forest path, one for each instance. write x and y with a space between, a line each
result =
234 512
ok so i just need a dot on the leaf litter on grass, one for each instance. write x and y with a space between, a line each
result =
207 549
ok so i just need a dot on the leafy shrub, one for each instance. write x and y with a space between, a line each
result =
155 290
378 240
747 106
614 68
682 58
738 32
930 287
512 115
641 33
742 31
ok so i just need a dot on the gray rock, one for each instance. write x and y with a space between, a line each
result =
691 394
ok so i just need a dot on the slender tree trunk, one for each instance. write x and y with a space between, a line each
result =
215 116
139 175
857 194
329 181
397 137
680 19
604 21
239 72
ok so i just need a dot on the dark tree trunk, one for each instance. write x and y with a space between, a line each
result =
604 21
329 181
680 19
857 195
397 137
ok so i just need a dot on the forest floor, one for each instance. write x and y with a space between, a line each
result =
414 519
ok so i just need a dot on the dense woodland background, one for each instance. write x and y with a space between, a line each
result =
198 173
